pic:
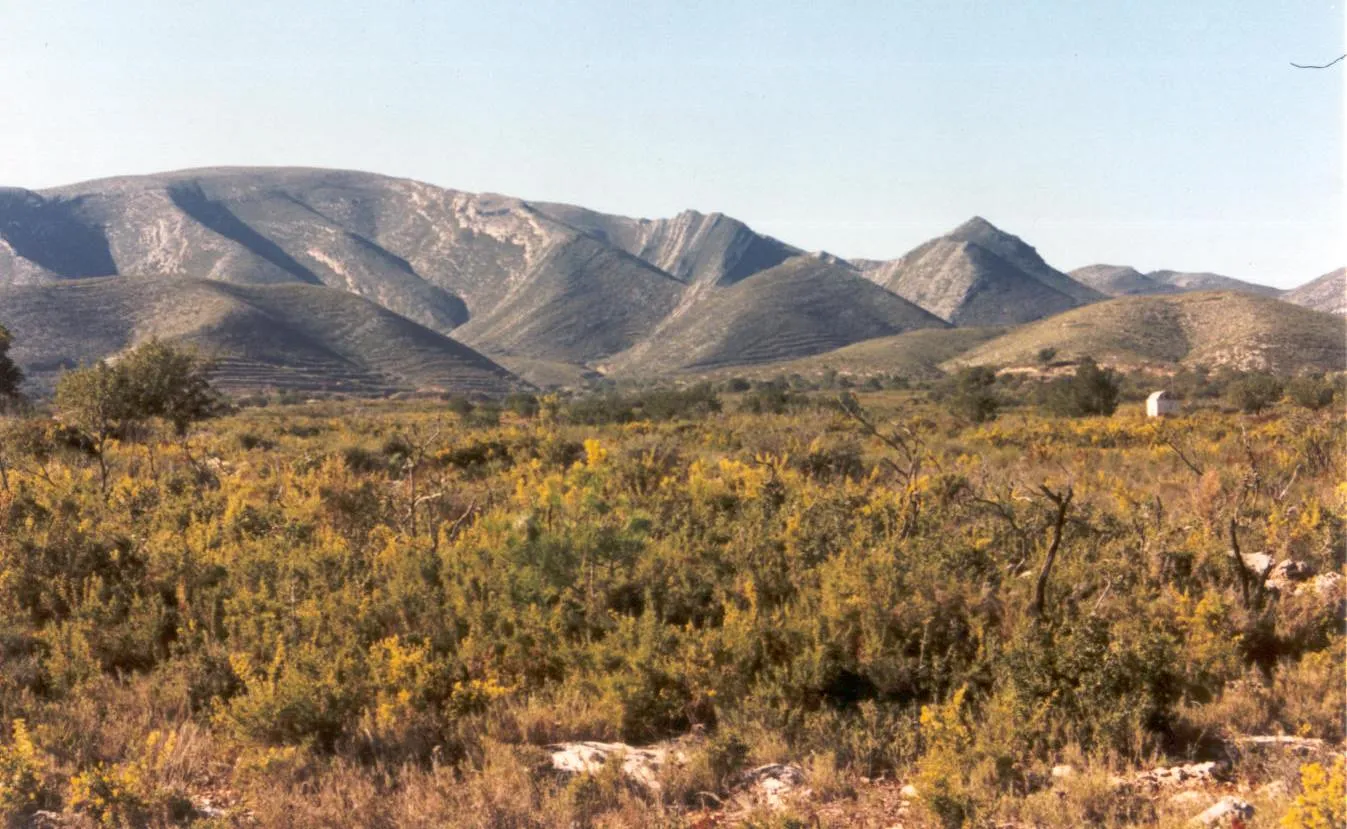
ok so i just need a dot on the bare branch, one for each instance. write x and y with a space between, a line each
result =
1318 66
1062 500
1188 462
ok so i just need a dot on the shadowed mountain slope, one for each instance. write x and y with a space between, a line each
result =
1204 328
978 275
806 305
264 336
1328 293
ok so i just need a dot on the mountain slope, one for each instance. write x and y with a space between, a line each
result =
1211 282
439 257
692 247
1120 280
806 305
538 285
978 275
1328 293
1204 328
916 354
264 336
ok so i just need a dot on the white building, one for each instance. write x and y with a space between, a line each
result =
1160 404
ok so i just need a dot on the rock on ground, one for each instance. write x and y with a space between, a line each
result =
1228 808
641 765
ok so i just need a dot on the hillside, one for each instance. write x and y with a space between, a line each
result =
552 289
554 292
917 354
297 337
692 247
1120 280
806 305
978 275
1185 281
1206 328
1328 293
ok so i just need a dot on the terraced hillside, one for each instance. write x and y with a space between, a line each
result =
915 354
806 305
296 337
1206 328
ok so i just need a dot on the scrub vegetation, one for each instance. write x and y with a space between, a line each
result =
348 613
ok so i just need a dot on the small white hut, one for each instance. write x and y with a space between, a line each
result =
1161 404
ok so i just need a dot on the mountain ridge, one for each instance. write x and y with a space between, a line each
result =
552 290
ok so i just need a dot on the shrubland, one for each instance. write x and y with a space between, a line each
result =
377 614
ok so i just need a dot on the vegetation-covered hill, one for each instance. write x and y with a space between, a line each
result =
285 337
915 355
1239 330
803 306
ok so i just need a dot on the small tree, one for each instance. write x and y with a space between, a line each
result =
154 380
1046 355
11 376
1090 391
972 396
171 384
94 400
1254 392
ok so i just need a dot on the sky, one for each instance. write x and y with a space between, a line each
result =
1142 132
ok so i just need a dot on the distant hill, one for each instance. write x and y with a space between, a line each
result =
551 289
1120 280
1328 293
318 278
1205 328
806 305
1210 282
297 337
978 275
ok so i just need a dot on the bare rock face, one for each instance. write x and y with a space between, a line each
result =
771 785
1286 574
1260 564
641 765
1229 811
1063 772
1325 585
1297 745
1192 774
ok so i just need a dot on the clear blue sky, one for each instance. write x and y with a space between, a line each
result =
1154 133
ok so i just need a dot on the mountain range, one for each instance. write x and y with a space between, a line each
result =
334 280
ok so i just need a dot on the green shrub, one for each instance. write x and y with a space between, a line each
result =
1254 392
1090 391
970 395
1310 392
